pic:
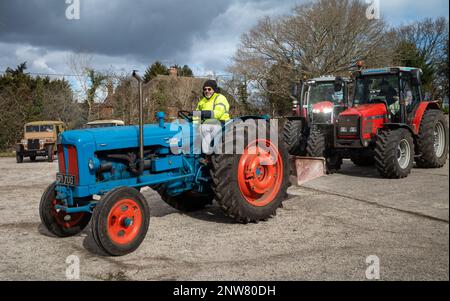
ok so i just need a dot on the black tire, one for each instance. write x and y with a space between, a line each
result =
188 201
317 147
19 157
363 160
226 180
104 219
33 158
428 158
387 153
50 154
54 221
294 137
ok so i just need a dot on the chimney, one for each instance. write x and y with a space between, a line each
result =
173 72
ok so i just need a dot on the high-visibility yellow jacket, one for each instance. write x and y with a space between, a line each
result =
218 104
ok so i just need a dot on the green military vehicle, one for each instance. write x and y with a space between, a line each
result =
40 138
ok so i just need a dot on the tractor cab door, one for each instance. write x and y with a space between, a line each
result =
410 95
341 88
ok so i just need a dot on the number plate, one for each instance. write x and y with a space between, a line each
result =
63 179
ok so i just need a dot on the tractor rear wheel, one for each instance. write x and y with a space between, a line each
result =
33 158
432 142
188 201
57 221
294 137
120 221
251 184
394 153
317 148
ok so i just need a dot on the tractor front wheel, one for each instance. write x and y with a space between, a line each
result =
317 147
394 153
120 221
432 142
58 221
294 137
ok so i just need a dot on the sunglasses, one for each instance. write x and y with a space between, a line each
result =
207 89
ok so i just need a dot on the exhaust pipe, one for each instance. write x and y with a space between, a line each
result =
141 124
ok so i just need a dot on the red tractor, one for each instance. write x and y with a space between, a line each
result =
389 124
320 101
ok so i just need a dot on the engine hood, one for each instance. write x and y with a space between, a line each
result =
120 137
366 110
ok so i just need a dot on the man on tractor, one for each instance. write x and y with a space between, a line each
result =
215 110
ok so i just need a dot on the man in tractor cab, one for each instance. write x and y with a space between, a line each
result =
392 99
214 108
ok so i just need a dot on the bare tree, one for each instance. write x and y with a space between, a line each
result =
321 37
424 44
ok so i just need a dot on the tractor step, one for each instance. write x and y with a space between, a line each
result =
307 169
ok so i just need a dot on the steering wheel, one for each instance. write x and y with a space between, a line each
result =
186 115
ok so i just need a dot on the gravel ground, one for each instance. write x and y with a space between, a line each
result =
325 231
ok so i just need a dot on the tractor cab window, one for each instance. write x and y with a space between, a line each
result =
410 93
373 89
325 92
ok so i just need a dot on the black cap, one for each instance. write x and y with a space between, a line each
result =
211 83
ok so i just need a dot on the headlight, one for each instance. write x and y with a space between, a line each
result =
316 111
327 110
24 141
91 164
353 129
94 164
343 129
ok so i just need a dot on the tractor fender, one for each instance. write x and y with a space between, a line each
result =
394 126
418 114
230 124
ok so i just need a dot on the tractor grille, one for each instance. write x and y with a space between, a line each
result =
33 144
322 118
348 126
68 161
61 159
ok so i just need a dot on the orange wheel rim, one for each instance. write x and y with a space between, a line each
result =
260 172
124 221
61 216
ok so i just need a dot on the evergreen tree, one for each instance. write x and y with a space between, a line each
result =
157 68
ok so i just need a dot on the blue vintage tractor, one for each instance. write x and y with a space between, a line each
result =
102 170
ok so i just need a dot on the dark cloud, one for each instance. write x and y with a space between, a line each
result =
141 28
199 32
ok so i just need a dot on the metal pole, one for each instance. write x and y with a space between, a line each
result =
141 124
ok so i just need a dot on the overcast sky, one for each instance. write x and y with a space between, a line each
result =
126 35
